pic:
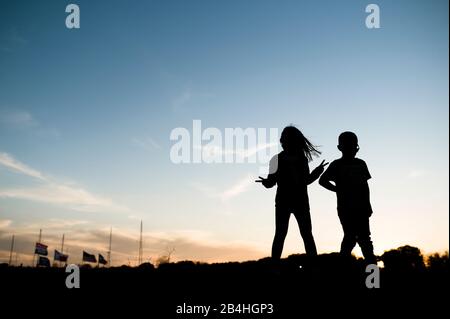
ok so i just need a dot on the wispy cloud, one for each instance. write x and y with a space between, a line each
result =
180 100
416 173
147 143
4 223
12 40
216 151
9 162
75 198
54 192
186 97
18 119
24 121
237 188
56 224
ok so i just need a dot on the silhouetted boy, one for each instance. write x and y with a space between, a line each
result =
350 176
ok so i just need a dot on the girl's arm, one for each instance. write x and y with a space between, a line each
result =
315 174
268 182
272 178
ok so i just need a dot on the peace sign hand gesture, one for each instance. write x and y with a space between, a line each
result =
263 181
319 169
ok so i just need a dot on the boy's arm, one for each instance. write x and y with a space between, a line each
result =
327 184
325 180
367 195
366 189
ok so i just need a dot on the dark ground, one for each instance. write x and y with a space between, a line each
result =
297 289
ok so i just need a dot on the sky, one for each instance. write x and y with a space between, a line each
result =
86 117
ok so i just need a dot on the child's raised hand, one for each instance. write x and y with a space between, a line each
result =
321 167
323 164
262 180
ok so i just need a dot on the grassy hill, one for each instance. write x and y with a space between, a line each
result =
294 286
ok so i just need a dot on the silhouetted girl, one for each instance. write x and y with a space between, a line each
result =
290 171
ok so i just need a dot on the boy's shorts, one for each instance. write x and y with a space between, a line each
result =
355 224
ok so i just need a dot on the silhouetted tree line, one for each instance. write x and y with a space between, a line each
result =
409 258
402 259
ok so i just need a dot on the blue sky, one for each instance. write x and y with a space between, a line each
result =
90 112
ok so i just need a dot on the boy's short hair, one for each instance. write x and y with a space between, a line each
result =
347 138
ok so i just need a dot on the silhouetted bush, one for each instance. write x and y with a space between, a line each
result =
124 267
403 259
147 266
438 262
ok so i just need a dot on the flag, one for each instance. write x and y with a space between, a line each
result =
43 261
60 256
102 260
41 249
89 258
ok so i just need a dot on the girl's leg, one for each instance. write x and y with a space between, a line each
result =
304 224
281 227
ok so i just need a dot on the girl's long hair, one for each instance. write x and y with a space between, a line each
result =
293 137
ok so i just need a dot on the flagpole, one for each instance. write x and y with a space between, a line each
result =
109 252
11 251
140 247
62 248
39 240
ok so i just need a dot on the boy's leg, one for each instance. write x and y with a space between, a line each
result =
349 240
281 227
347 245
364 240
304 224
